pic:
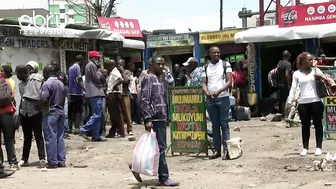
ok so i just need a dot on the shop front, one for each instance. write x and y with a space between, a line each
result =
224 40
133 46
175 48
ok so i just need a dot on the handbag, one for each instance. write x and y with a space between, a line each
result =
320 87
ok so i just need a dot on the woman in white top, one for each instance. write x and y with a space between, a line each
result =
310 104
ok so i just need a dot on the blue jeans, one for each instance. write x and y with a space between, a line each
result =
53 128
159 127
218 110
95 121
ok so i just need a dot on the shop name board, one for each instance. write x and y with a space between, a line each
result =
309 14
218 37
237 58
188 119
45 43
156 41
330 113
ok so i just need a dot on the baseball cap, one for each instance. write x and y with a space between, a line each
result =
33 64
191 59
93 54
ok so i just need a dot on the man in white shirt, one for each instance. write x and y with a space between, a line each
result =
216 80
133 90
113 101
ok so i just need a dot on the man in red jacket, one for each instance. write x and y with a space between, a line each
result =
7 127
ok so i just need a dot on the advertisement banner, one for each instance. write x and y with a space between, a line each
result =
310 14
176 40
218 37
125 27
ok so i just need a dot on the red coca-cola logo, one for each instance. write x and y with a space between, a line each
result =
290 15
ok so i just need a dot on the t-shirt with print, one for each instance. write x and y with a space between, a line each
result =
216 81
54 90
196 77
132 85
74 75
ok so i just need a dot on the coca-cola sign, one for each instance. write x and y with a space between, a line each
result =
311 14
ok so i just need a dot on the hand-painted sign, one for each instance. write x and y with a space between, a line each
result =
188 120
309 14
125 27
156 41
218 37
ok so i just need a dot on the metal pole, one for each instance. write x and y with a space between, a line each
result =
221 15
261 12
297 2
244 20
277 9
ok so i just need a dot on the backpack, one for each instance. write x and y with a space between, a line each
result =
273 77
224 69
5 93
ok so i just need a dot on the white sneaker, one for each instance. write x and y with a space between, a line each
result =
23 163
304 152
43 163
14 167
318 152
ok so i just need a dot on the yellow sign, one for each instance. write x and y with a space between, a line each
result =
218 37
330 101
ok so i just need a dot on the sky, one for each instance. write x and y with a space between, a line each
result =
198 15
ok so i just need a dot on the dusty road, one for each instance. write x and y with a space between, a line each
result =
268 149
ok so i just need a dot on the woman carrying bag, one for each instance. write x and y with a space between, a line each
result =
310 105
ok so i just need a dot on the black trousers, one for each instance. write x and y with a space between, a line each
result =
7 128
312 110
75 110
283 94
30 125
243 95
135 110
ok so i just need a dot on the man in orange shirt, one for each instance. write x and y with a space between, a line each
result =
7 111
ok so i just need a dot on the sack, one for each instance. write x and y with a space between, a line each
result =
234 146
146 155
5 93
320 88
273 77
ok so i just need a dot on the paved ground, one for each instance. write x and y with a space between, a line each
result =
268 149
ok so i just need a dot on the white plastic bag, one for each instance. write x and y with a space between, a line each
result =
234 146
146 155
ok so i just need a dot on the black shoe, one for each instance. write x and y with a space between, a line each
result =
6 174
136 175
215 155
101 139
225 155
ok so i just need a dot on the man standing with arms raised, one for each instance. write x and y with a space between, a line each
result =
95 93
217 79
155 114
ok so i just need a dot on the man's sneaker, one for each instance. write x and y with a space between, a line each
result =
169 182
43 163
84 135
304 152
318 152
6 174
136 175
23 163
130 133
101 139
14 167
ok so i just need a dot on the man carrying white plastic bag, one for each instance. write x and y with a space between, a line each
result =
154 108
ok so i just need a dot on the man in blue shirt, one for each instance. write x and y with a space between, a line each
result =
75 92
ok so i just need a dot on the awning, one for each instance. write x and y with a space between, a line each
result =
133 44
101 34
274 33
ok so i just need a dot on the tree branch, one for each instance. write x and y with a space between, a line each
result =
76 11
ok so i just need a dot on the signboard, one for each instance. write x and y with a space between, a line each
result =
329 115
237 58
157 41
125 27
188 120
218 37
309 14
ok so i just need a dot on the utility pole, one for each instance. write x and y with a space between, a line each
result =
221 15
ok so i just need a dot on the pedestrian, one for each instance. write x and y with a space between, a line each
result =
154 109
217 79
310 104
30 112
114 101
7 111
126 96
240 82
76 95
59 73
132 88
284 83
53 99
195 76
94 91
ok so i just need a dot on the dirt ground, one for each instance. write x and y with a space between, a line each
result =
268 149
